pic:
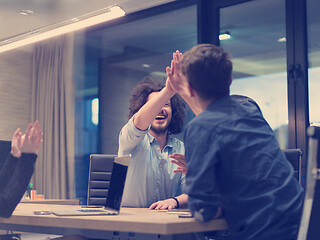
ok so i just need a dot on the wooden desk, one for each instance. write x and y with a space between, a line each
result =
139 223
52 201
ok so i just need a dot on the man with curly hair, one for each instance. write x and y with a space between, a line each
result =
155 113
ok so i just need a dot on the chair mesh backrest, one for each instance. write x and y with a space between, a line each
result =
294 157
309 226
99 178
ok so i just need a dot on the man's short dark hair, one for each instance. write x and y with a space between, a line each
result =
140 96
208 69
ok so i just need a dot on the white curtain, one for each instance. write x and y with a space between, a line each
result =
53 105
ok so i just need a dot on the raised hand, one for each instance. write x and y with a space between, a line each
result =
180 161
175 76
15 143
30 141
179 83
27 143
169 71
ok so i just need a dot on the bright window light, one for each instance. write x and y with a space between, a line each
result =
95 111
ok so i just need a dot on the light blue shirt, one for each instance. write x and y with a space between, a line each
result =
150 177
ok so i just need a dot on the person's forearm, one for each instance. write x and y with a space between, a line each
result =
195 109
17 184
6 170
185 93
183 200
147 113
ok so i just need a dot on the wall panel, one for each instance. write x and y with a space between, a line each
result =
15 92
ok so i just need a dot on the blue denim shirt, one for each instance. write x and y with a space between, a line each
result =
234 161
149 177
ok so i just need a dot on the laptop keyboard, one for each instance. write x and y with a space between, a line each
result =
91 210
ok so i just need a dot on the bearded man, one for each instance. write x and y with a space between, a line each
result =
152 179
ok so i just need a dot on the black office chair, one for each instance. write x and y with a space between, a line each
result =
99 178
294 157
309 226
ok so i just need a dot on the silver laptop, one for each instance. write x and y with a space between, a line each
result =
115 192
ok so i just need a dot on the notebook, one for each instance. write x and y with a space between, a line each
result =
115 192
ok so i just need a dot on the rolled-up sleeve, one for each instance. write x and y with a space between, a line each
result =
129 137
201 184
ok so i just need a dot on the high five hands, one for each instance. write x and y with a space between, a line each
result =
175 77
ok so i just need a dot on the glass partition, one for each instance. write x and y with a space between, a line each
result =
109 63
258 48
314 60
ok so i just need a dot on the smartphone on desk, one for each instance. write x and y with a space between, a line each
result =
182 212
185 215
179 211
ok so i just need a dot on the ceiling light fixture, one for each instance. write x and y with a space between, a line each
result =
145 65
26 12
87 20
224 36
282 39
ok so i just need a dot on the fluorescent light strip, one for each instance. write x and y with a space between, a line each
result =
77 24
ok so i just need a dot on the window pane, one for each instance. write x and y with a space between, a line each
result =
258 49
115 59
132 51
313 19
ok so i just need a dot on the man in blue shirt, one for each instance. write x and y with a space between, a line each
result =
234 164
155 114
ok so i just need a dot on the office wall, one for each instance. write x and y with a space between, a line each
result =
116 85
15 91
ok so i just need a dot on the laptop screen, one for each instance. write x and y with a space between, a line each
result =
115 191
117 181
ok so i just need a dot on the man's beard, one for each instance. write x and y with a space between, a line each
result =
159 130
